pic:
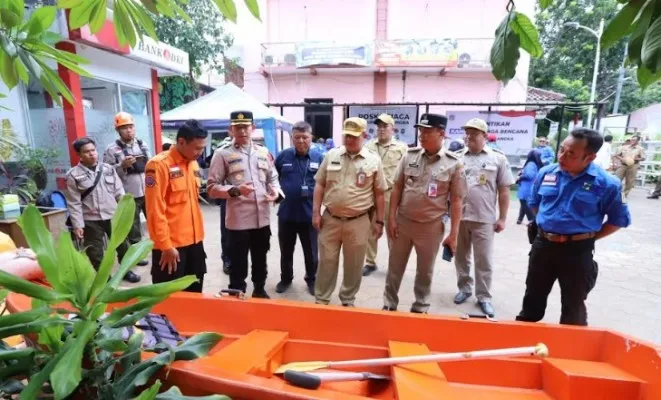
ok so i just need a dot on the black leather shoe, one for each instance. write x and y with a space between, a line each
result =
368 269
132 277
311 288
386 308
418 311
260 294
143 263
282 287
347 305
461 297
654 196
486 307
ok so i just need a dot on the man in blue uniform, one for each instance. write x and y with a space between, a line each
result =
546 151
571 199
296 168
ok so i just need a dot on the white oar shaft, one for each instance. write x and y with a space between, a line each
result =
469 355
338 376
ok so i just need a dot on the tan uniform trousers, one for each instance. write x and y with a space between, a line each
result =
372 243
477 238
426 239
351 237
629 175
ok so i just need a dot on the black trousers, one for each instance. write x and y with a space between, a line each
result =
94 235
524 210
257 243
224 234
135 234
287 233
572 264
192 261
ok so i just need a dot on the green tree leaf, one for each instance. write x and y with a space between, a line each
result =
34 387
505 51
142 305
136 253
67 374
544 4
156 290
253 6
638 32
51 336
651 51
227 8
7 72
646 78
150 394
98 16
23 317
82 13
40 20
8 18
121 224
126 33
68 3
76 271
19 285
621 23
15 354
528 36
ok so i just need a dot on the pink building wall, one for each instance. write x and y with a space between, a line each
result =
355 22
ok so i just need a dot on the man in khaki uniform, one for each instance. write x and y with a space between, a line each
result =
129 156
350 182
630 155
425 179
488 177
243 174
390 151
93 190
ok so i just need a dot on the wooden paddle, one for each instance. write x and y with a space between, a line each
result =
540 350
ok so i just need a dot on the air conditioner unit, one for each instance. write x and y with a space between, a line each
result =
268 60
290 59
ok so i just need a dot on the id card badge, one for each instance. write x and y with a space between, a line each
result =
483 179
432 189
305 191
361 178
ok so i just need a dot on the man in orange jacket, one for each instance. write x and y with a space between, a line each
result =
172 182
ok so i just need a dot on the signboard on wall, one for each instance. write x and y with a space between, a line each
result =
327 54
515 130
430 52
160 54
405 117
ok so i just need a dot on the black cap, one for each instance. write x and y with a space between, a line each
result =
432 121
241 118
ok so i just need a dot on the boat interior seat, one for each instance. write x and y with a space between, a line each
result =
416 381
258 353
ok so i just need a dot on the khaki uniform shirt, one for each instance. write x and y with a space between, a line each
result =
101 203
390 154
485 172
349 181
114 155
628 150
233 165
428 181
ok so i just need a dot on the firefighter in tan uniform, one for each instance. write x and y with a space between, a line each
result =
243 174
630 155
390 151
350 182
93 190
426 178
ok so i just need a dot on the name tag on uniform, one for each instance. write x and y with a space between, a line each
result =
335 162
550 180
305 191
314 165
432 189
490 168
287 165
482 180
176 172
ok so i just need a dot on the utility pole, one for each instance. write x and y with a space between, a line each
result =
620 81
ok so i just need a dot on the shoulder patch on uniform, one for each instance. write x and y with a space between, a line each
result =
150 181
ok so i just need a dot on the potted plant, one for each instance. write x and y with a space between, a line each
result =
77 349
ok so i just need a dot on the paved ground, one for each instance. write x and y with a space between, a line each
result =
626 296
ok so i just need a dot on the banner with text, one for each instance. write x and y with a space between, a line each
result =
515 130
405 117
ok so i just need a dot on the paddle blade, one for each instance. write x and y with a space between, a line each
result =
303 366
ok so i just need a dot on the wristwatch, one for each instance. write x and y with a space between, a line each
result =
234 192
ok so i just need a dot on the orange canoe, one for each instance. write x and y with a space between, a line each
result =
262 335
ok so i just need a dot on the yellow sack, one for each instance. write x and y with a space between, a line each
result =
6 244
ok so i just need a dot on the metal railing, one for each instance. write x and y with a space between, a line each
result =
452 53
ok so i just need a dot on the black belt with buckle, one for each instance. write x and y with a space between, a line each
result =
348 218
557 238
